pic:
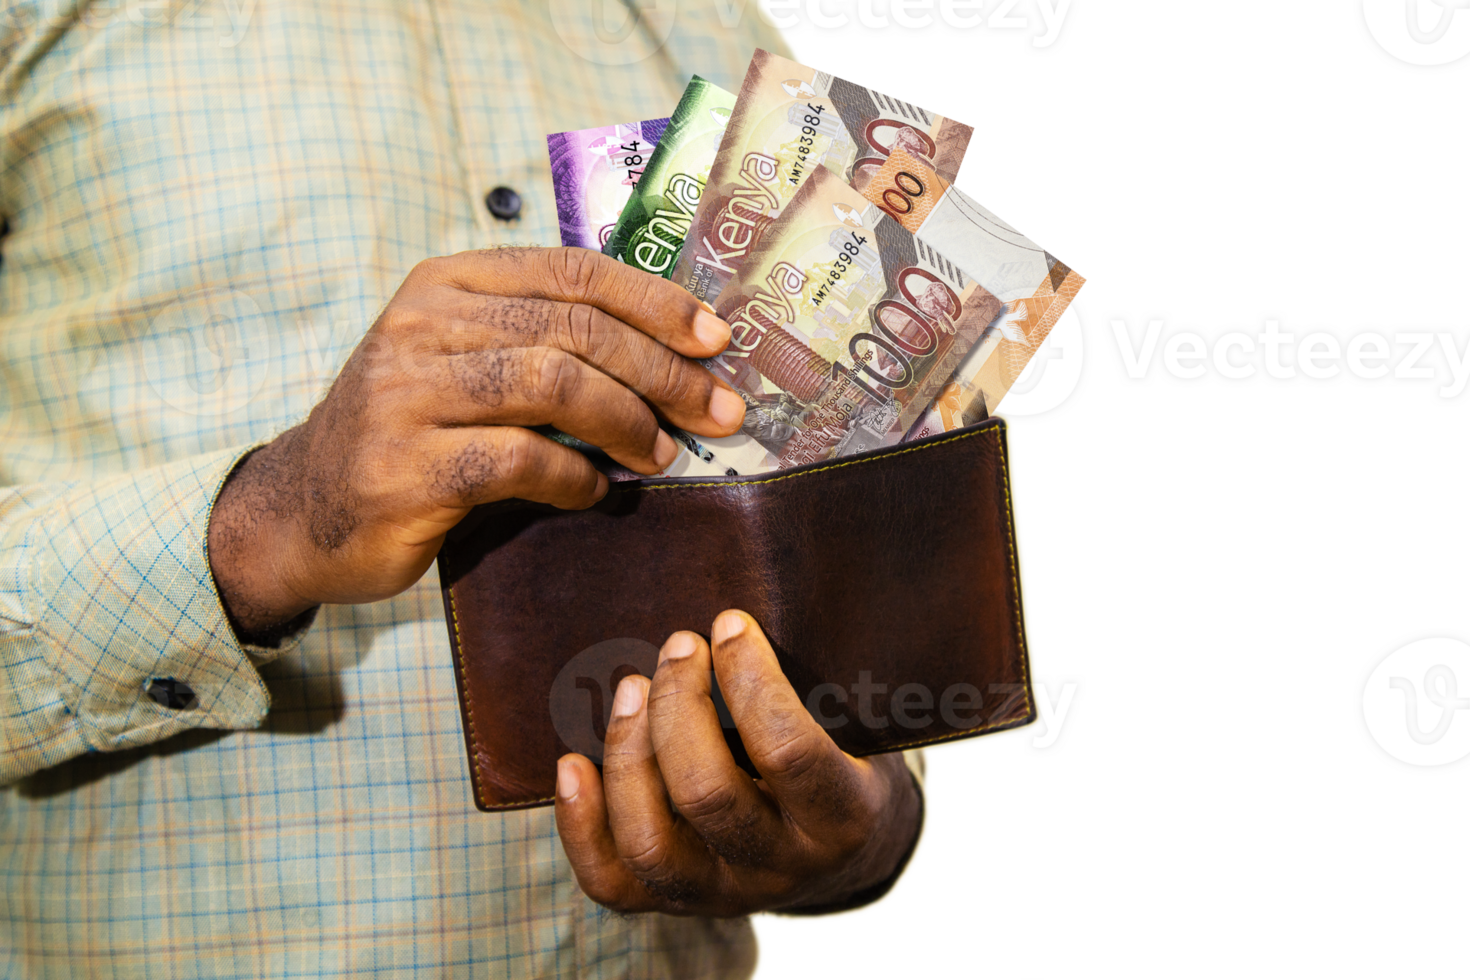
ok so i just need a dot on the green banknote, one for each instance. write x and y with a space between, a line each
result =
650 231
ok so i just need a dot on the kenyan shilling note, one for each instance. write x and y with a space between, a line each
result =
789 120
1035 287
843 328
594 171
651 229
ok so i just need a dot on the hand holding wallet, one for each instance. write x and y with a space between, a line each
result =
862 316
887 583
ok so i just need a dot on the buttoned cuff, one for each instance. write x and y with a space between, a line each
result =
920 763
122 596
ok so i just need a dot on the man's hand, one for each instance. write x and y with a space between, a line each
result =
427 419
674 825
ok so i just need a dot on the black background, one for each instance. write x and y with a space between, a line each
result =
1219 564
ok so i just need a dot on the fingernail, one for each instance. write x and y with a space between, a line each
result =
665 450
567 780
728 626
712 332
628 699
726 408
602 487
679 646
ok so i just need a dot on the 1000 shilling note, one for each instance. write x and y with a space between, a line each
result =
594 172
843 328
1035 287
651 229
788 121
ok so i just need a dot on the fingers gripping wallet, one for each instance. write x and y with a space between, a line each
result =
887 583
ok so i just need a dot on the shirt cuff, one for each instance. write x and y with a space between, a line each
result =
116 579
920 764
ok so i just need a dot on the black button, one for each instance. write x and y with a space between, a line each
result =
504 203
171 693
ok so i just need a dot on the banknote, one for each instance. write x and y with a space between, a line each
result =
594 171
788 121
651 229
843 328
1035 287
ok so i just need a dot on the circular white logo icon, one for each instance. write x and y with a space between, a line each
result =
1420 32
1051 375
209 353
614 32
582 694
1417 702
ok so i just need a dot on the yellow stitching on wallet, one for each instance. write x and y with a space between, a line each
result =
917 743
469 711
950 737
1005 478
1010 544
1020 631
520 804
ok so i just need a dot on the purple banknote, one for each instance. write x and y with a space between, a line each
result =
594 172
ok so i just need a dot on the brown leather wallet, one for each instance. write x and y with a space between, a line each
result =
887 583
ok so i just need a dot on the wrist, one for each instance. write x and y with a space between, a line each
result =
878 869
250 553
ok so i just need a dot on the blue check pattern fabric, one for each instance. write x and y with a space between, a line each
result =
207 202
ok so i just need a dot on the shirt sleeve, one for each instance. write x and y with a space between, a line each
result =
105 587
920 766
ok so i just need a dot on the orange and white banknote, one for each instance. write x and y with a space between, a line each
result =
844 327
788 122
1034 285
